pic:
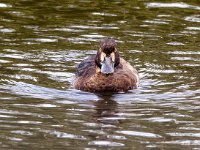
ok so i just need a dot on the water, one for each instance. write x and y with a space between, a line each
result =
43 41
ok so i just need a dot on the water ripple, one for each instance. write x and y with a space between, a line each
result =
175 43
104 14
178 134
105 143
3 5
193 28
193 18
160 119
64 135
7 30
171 5
22 132
183 142
43 40
140 134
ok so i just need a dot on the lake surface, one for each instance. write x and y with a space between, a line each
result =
41 42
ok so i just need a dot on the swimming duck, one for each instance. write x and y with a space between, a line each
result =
106 71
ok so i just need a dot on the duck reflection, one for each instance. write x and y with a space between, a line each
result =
106 110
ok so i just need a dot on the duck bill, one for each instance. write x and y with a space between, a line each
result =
107 67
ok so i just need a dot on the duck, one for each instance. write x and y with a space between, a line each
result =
106 71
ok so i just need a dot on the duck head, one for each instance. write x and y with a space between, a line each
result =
107 57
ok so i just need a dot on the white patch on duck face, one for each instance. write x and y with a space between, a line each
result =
112 55
102 56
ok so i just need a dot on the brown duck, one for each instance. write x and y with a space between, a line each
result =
106 71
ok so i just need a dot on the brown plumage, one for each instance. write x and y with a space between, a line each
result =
105 71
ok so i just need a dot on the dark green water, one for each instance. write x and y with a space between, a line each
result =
41 42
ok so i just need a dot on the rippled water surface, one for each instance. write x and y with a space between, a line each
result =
41 42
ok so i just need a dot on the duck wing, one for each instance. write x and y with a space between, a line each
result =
86 67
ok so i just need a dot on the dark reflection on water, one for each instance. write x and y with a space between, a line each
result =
41 42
